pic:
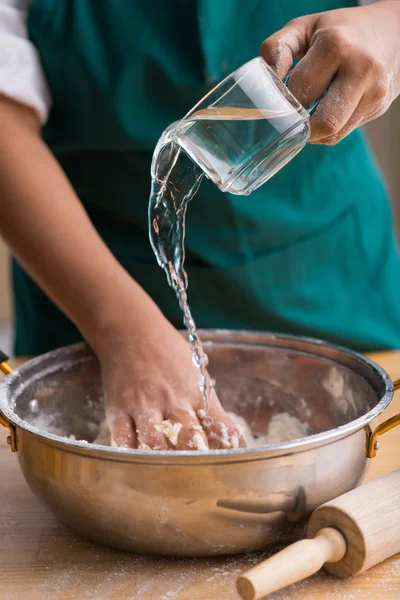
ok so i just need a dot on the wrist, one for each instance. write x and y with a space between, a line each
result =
122 317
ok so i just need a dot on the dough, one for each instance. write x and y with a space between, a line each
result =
197 442
170 430
231 441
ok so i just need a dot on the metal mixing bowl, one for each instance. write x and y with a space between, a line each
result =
193 503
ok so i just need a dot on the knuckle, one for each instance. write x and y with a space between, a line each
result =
329 126
334 42
114 413
375 66
381 91
368 64
268 48
148 415
149 395
183 414
294 23
126 395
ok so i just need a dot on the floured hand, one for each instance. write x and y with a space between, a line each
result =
152 394
353 53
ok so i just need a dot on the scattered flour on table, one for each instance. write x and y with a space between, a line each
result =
82 570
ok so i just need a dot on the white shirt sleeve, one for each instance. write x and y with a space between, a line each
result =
21 74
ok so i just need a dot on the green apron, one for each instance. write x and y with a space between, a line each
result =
311 252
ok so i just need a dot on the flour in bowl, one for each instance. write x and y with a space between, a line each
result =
283 427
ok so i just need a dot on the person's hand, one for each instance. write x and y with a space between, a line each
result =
352 51
149 377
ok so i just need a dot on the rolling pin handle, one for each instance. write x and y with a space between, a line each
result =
292 564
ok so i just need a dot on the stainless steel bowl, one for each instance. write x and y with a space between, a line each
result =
193 503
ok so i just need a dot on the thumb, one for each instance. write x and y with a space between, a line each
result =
290 42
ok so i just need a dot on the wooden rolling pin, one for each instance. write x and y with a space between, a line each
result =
348 535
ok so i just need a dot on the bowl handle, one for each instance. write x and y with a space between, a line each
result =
12 438
373 444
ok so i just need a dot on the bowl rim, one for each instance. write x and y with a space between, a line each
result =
82 351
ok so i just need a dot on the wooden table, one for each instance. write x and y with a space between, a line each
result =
42 560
